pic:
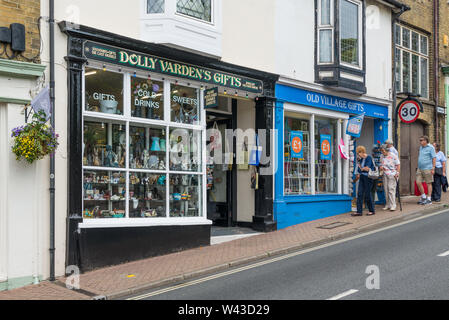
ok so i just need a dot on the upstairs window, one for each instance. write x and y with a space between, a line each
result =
412 61
350 17
156 6
199 9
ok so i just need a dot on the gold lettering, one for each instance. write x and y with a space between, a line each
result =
133 59
124 57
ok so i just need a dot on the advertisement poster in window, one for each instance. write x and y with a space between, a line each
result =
296 144
355 125
326 149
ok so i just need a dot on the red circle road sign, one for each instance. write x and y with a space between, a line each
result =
409 111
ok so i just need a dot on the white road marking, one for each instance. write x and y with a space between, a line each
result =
444 254
287 256
344 294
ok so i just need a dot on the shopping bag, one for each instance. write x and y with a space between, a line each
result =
417 192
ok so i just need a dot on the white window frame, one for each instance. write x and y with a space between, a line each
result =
167 124
361 35
418 53
342 166
322 27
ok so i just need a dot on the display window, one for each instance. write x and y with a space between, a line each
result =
142 154
147 98
103 91
297 169
185 105
312 163
326 160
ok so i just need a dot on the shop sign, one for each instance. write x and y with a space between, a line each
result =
326 149
409 111
211 98
355 125
296 144
329 102
169 67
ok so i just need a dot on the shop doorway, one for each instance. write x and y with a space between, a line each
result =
220 176
410 134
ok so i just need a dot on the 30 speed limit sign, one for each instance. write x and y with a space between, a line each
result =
409 111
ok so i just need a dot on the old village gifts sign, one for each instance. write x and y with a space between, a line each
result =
168 67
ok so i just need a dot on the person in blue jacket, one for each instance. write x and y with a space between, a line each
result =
364 163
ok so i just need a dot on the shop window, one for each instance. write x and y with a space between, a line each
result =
297 169
326 160
185 106
412 74
147 98
147 194
104 91
137 162
199 9
147 148
104 144
104 194
185 150
185 195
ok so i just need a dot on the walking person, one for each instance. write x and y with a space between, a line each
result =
390 166
440 172
364 163
426 169
391 148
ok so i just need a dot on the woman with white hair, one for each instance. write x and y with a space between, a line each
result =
390 166
391 148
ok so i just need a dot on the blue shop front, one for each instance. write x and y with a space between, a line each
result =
315 155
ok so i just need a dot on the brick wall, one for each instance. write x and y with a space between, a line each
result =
26 12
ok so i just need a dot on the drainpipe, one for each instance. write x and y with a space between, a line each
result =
395 116
52 157
436 57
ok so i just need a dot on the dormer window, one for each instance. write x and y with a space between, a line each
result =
193 25
340 61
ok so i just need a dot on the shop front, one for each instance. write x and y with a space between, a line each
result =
139 162
314 178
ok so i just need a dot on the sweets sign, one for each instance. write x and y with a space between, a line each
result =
168 67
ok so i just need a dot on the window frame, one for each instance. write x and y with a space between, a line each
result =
322 27
412 53
361 35
167 124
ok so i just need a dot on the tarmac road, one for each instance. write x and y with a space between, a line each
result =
412 261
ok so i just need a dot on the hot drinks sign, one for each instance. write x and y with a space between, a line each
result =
167 67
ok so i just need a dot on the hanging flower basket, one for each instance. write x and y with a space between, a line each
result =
35 140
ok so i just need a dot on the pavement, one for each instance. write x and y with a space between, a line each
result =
138 276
